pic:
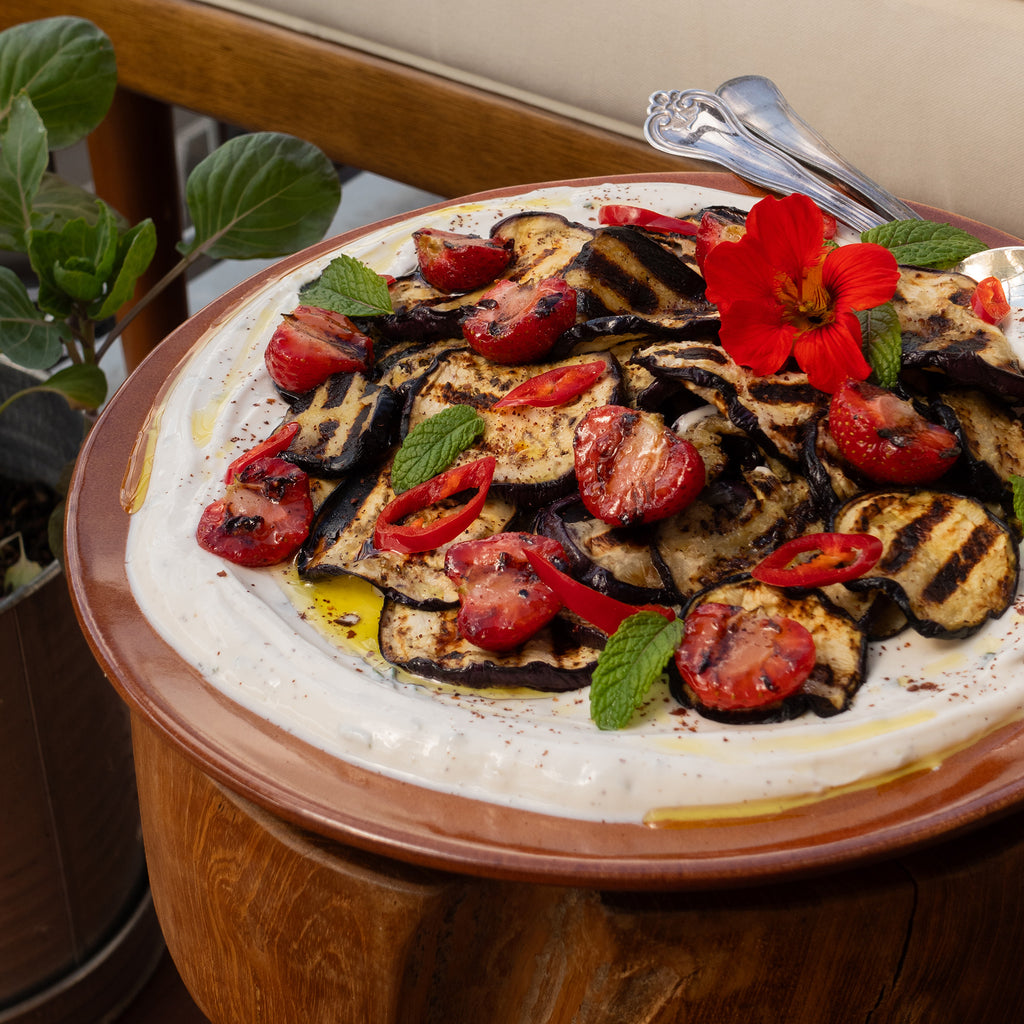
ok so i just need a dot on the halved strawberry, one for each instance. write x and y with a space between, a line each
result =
717 224
459 263
264 516
882 436
502 601
519 323
311 344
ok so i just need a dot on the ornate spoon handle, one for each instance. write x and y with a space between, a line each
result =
758 103
701 126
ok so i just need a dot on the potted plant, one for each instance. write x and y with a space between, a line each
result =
71 866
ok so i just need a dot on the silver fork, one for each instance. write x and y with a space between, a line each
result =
703 126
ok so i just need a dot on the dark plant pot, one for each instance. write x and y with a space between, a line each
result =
78 935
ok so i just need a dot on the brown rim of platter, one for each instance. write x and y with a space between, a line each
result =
370 811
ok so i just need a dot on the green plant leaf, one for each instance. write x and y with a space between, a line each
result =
55 204
55 530
67 67
349 287
634 657
261 195
21 572
135 252
58 202
26 336
23 158
74 263
883 339
924 243
434 444
84 385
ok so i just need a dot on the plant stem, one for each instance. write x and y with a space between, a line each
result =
176 271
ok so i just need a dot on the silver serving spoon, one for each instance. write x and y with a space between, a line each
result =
759 104
1006 263
701 125
721 127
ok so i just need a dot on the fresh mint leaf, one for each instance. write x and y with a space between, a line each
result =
924 243
883 340
1017 484
348 287
434 445
634 657
261 195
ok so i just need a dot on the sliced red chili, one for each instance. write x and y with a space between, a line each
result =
819 559
598 609
620 214
273 445
400 526
554 387
989 301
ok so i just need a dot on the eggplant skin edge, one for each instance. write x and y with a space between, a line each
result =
478 669
491 676
895 590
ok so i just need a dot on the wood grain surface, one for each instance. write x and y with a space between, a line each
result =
267 922
362 111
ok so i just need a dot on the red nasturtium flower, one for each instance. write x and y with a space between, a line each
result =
781 291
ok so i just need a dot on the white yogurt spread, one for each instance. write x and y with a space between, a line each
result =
242 628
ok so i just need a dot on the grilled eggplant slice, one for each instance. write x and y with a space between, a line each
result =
840 647
942 334
737 520
624 270
610 559
991 437
626 335
947 561
340 543
774 410
427 643
543 245
534 447
828 475
343 423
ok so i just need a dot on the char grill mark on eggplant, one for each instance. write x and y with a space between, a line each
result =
428 644
615 561
624 270
624 335
947 561
345 422
991 437
737 520
942 334
774 410
543 244
840 648
533 447
340 543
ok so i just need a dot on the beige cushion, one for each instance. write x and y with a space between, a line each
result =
927 96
